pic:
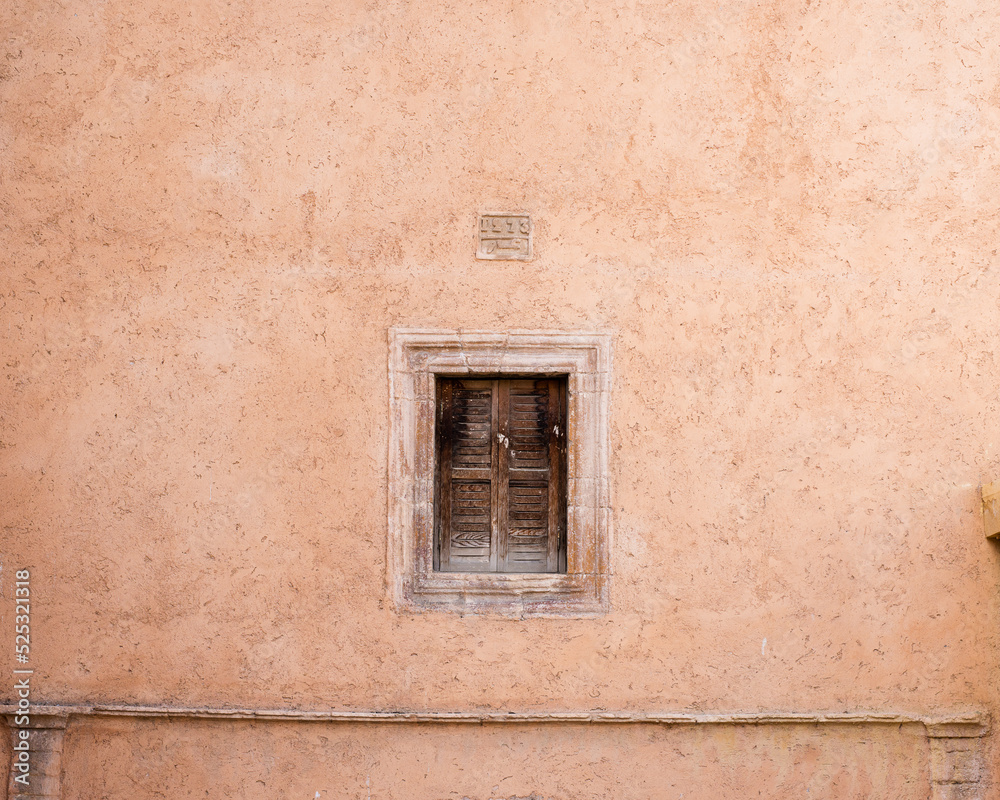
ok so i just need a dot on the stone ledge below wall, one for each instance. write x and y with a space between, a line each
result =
957 760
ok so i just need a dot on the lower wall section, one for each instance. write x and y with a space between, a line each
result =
81 753
129 758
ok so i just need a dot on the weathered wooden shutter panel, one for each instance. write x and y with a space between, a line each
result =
501 482
466 481
529 476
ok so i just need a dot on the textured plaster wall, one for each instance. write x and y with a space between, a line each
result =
784 212
581 762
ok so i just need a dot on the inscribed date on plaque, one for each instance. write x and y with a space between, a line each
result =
504 237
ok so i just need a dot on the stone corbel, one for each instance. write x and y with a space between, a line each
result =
957 760
991 509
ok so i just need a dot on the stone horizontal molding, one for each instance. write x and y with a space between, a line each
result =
959 725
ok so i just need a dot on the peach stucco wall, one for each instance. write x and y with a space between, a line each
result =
784 213
252 761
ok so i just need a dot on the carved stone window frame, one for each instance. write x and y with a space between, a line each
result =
416 357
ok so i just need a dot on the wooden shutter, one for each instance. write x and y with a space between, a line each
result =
467 428
500 489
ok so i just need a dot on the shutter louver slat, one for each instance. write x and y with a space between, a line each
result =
472 428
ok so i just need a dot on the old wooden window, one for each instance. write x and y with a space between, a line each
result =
569 377
500 483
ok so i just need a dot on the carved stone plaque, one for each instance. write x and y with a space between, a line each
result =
504 237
